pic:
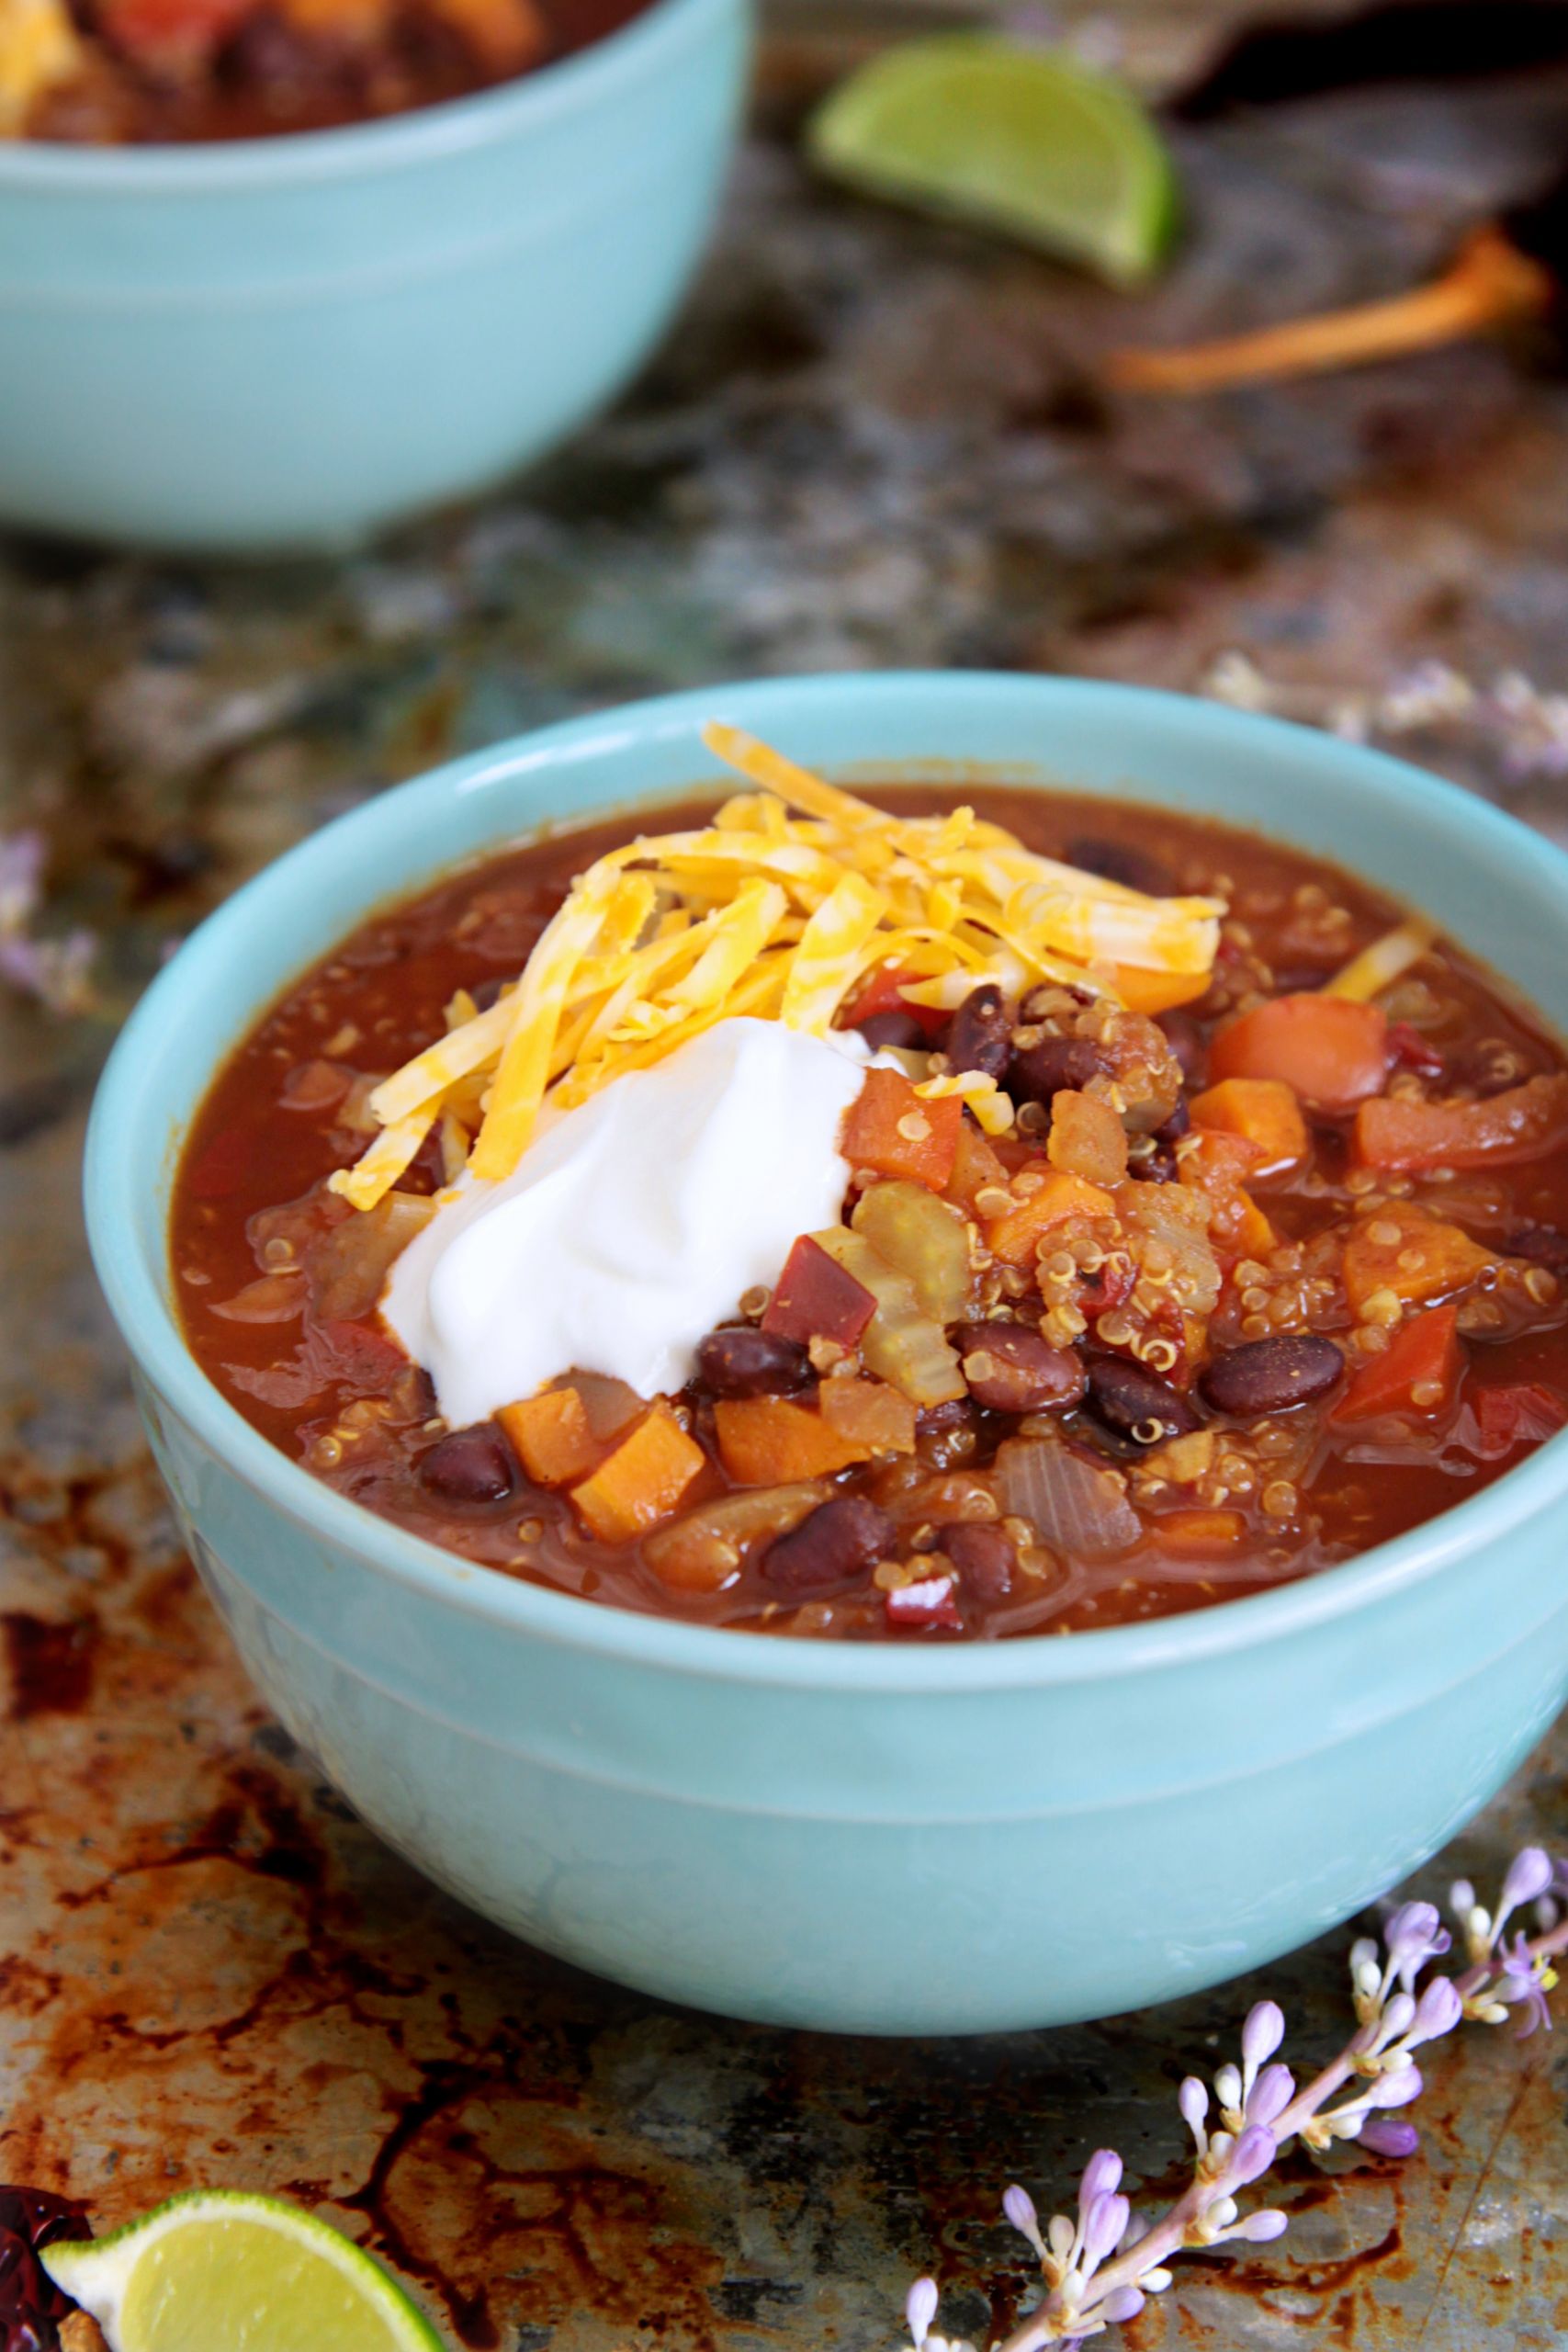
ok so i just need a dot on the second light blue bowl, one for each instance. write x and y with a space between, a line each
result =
288 343
880 1839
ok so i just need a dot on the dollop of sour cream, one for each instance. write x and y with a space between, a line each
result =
632 1225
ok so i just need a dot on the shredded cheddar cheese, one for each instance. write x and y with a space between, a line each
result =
780 908
37 49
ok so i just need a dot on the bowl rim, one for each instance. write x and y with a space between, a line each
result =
148 1323
526 103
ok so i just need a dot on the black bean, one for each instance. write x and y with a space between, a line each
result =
471 1465
1137 1403
1543 1244
1010 1369
983 1555
1269 1375
980 1037
1052 1063
740 1362
902 1029
1178 1124
841 1539
1185 1039
1120 862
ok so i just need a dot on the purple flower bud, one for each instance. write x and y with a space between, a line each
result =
1263 2032
1258 2228
1122 2303
1414 1935
1398 2017
1192 2098
919 2310
1103 2226
1438 2011
1253 2152
1019 2207
1396 2089
1530 1875
1100 2175
1388 2136
1271 2095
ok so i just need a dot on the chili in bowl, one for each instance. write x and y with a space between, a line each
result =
282 272
818 1341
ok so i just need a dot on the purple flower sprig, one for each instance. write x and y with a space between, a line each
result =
55 971
1100 2267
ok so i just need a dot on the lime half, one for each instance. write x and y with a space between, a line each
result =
1012 138
216 2271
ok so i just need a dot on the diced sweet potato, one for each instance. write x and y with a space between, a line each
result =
1086 1139
768 1442
1262 1111
1418 1374
551 1437
1525 1123
895 1131
975 1169
816 1298
1197 1532
1408 1250
1015 1236
1332 1053
641 1481
870 1414
1219 1166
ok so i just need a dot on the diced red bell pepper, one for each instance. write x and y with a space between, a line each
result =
1523 1414
1424 1354
895 1131
913 1608
817 1298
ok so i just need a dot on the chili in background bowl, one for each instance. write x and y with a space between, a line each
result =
871 1839
289 342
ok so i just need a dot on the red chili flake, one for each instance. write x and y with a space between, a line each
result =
1407 1050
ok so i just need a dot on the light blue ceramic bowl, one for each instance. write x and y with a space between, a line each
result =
287 343
883 1839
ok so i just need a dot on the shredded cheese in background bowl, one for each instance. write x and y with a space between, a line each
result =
779 909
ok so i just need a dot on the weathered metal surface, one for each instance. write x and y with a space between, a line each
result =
871 441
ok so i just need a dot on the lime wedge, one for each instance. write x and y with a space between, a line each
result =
216 2271
1012 138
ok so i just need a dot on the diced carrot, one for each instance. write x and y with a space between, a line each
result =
868 1413
1330 1051
882 992
816 1298
768 1442
892 1130
1198 1530
551 1436
1526 1123
1219 1166
642 1481
1015 1236
1262 1111
1406 1249
1417 1374
1152 992
975 1169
